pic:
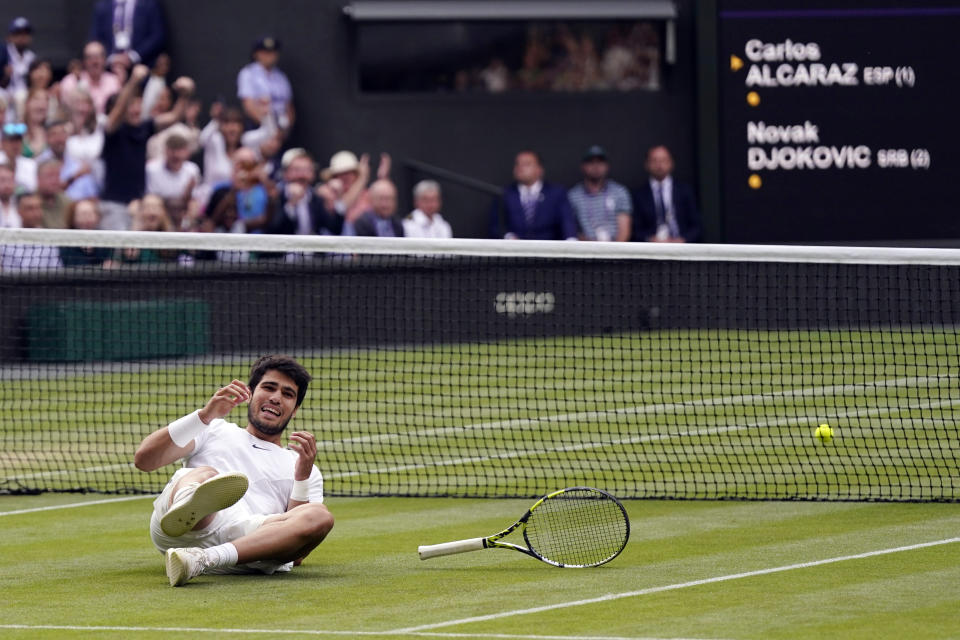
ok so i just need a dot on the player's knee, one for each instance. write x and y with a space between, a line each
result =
316 520
202 474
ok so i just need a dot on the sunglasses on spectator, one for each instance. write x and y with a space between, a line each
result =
14 129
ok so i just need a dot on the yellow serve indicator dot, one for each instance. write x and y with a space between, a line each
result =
735 63
754 181
753 98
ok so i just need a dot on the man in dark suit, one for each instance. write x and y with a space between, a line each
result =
381 220
531 209
132 31
301 211
664 210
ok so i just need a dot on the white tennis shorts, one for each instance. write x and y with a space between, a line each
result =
227 525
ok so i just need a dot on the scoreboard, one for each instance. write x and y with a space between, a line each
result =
839 121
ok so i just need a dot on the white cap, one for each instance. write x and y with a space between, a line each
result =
342 162
292 154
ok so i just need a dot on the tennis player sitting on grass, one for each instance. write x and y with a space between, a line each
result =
241 503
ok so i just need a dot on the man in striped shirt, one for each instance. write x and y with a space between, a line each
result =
602 206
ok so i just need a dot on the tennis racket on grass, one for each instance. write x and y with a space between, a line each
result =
573 527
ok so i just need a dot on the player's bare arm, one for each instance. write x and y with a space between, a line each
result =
159 449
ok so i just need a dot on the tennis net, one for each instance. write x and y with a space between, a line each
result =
487 368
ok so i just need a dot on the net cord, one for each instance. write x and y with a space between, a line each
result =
489 248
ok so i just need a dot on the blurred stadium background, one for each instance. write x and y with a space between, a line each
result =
338 53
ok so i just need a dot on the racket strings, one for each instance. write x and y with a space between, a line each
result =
579 527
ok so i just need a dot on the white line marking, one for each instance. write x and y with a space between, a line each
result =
317 632
65 627
673 587
69 472
73 505
515 636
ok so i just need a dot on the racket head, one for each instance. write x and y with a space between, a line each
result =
577 527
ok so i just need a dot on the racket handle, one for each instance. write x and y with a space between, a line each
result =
449 548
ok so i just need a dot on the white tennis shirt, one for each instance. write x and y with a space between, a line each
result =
269 468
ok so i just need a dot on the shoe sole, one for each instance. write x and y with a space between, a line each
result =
219 492
176 568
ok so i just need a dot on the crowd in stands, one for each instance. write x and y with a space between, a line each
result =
560 58
115 145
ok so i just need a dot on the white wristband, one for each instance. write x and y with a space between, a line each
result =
184 430
301 491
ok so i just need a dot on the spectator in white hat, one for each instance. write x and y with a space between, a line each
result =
351 176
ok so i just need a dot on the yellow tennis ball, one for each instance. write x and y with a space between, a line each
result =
824 433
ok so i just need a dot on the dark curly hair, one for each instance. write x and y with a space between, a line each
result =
286 365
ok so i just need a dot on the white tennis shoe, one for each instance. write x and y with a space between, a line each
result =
196 500
185 563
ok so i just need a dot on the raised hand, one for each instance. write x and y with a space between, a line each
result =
224 400
305 445
139 73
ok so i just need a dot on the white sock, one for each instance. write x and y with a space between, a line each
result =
222 555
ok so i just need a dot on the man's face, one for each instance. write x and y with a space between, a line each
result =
31 212
12 147
273 403
57 139
94 59
300 171
347 178
86 215
21 39
659 163
527 169
134 108
383 200
267 59
48 179
244 167
428 202
596 169
176 157
7 183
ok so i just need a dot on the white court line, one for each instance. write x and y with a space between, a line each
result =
673 587
318 632
69 472
73 504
